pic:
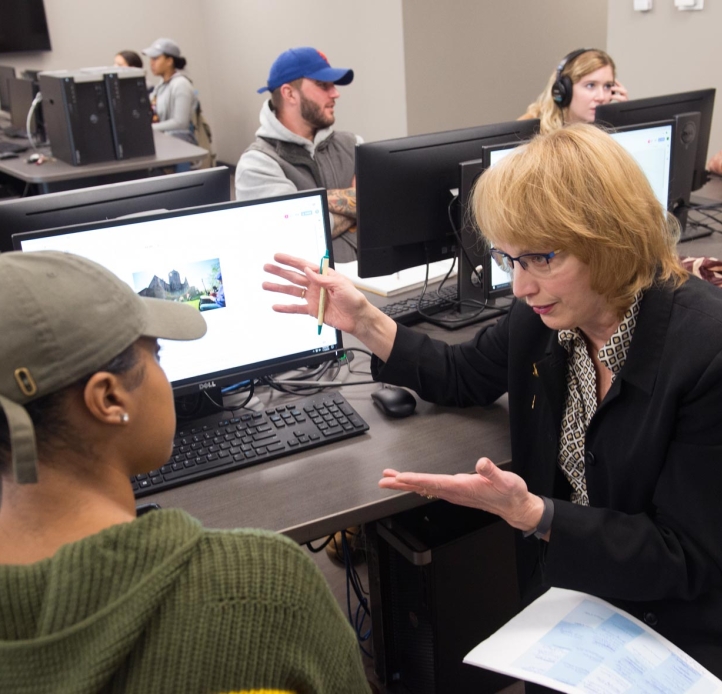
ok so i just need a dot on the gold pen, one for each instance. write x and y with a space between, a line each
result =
323 270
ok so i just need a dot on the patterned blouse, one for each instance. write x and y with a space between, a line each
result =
581 402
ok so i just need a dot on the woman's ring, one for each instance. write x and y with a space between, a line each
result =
303 293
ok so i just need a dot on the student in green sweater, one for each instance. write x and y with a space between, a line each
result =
93 599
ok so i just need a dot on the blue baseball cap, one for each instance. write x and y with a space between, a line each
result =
304 62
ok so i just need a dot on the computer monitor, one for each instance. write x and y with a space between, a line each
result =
6 72
480 278
651 145
195 255
404 188
22 92
172 192
666 107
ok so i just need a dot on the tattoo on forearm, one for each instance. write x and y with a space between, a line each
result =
341 224
343 201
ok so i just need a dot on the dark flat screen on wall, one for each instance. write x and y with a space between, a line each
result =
23 26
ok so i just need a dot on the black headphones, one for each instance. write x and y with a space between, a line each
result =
562 87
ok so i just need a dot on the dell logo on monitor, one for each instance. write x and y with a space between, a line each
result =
206 385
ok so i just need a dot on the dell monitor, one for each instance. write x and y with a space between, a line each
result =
6 73
404 191
666 107
172 192
188 255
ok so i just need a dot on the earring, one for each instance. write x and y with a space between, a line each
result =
124 418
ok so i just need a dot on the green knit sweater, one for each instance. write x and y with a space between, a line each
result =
163 605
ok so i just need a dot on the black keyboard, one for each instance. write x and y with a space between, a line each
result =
213 445
13 147
407 311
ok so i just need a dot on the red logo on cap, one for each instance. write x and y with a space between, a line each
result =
322 55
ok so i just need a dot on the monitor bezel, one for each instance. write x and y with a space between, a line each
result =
621 113
100 203
469 174
241 373
673 148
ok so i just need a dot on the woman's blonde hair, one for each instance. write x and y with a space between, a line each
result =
546 109
577 190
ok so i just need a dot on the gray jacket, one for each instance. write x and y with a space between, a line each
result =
175 101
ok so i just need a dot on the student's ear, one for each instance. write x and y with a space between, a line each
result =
106 398
288 93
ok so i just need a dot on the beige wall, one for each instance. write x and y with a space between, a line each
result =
244 38
470 62
437 65
230 45
666 51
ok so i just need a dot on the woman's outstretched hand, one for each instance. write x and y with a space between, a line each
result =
489 489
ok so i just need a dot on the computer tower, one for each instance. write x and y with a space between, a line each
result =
442 578
131 114
77 117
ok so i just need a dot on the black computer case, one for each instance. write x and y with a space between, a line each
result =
77 117
130 114
442 579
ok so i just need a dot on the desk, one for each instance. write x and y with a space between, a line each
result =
56 175
315 493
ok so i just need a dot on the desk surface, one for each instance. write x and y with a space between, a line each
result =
168 152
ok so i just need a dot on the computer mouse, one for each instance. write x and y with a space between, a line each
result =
34 158
394 402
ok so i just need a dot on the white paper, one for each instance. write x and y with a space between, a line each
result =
574 642
403 281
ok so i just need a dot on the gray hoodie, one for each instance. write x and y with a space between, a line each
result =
260 176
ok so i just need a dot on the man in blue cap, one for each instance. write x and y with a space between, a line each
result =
297 149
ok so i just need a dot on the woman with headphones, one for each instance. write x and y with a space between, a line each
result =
583 80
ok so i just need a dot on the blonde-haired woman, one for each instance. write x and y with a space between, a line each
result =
584 79
611 358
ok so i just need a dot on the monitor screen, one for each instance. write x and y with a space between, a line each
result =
651 147
499 281
156 194
404 190
23 26
479 277
212 257
660 108
6 73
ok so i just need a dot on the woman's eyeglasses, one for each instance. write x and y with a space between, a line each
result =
536 264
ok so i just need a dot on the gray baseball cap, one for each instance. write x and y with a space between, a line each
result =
163 47
63 317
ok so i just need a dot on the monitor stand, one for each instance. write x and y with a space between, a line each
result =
197 405
712 221
470 289
454 320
